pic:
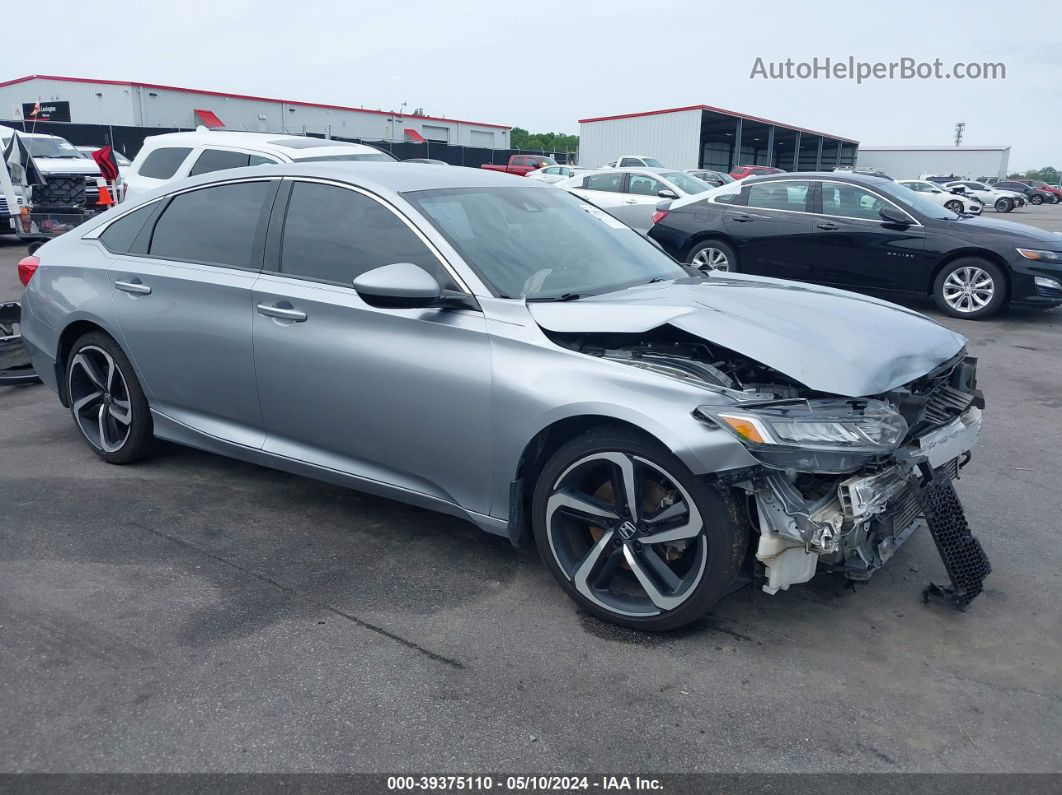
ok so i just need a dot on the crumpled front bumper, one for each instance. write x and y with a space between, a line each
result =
858 526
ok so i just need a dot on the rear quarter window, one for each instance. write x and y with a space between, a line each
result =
119 236
163 162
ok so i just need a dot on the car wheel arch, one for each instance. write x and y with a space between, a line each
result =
951 256
537 452
73 331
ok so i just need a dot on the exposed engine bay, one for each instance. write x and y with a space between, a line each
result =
842 482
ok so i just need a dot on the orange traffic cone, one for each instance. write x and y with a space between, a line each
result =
105 197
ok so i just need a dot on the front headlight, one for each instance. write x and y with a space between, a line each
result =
1040 256
813 436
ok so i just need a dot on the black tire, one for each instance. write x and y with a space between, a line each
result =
955 206
703 249
721 551
1004 205
139 439
1036 198
966 270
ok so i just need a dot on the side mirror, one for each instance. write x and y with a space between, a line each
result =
401 285
891 215
667 193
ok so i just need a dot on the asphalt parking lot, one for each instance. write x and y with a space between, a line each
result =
197 614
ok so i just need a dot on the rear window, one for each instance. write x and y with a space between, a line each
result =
214 225
164 162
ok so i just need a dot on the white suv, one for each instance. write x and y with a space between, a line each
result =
165 158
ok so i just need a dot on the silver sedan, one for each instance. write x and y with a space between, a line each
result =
495 349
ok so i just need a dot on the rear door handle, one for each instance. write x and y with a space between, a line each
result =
828 225
743 218
136 287
283 313
630 201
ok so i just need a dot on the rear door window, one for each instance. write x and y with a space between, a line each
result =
163 162
215 225
218 160
785 195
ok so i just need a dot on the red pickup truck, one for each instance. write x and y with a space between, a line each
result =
522 164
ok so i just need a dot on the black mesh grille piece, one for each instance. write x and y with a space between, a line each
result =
60 192
964 559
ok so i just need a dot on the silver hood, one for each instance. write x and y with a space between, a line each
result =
828 340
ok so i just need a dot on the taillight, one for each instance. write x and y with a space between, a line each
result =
27 266
659 216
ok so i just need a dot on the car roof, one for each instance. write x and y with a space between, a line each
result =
273 143
378 177
858 179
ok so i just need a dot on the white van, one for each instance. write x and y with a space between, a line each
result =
165 158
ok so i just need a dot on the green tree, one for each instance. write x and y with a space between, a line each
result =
544 142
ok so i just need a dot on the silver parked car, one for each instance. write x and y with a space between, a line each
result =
501 351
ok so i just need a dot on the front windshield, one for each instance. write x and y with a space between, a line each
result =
915 201
52 147
542 244
687 183
652 162
372 156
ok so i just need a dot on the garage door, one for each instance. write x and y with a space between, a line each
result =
436 133
480 138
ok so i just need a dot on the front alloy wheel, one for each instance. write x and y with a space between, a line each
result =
970 288
954 206
631 535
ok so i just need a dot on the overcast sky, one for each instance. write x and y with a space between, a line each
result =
547 65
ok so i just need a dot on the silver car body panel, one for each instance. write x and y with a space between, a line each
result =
436 406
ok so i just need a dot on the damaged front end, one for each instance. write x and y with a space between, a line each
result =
842 482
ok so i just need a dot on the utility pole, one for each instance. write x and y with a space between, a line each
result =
959 127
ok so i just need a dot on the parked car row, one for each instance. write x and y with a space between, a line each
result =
867 234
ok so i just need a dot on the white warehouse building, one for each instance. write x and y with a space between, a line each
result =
910 162
116 102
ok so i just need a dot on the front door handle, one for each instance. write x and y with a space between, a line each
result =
136 287
828 225
743 218
283 313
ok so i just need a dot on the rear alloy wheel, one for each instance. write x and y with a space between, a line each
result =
970 288
1004 205
630 534
955 206
1036 198
106 401
714 255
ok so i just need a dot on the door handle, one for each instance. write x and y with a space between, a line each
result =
743 218
296 315
828 225
630 201
136 287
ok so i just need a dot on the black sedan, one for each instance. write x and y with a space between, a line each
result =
864 233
